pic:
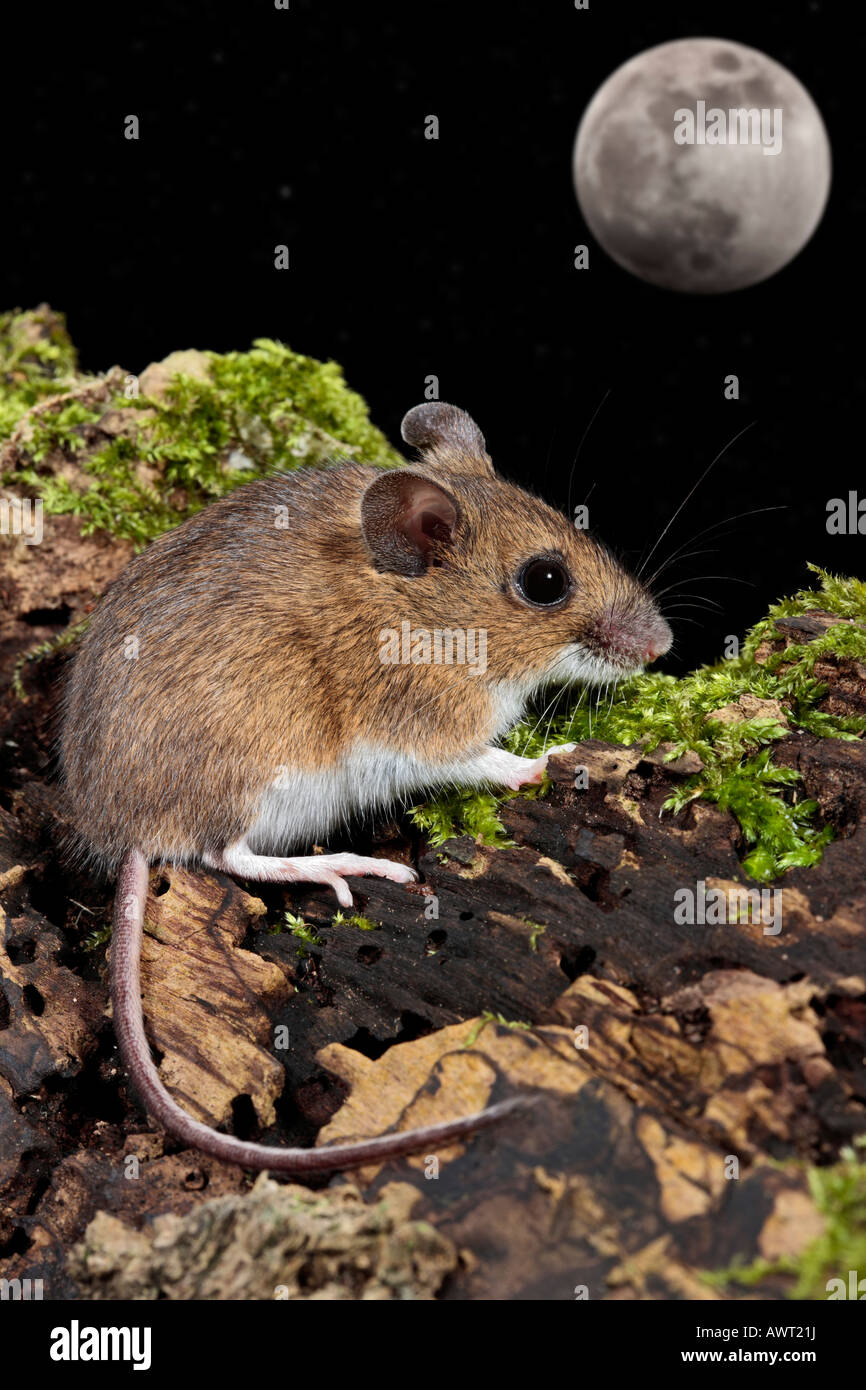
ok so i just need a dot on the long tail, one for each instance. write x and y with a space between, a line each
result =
129 906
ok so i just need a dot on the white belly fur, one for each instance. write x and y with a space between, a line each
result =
302 808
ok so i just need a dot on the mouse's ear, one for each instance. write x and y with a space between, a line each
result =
406 520
436 426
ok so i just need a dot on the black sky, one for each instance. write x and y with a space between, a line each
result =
410 257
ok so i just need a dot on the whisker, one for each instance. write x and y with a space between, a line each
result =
692 492
690 593
738 516
718 608
574 712
696 579
538 721
689 555
562 691
583 438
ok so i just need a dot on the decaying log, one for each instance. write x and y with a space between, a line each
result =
658 1052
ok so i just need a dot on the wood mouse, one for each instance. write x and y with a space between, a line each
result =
230 701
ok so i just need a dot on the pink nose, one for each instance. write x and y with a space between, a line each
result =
658 643
657 646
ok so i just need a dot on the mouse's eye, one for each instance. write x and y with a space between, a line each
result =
543 581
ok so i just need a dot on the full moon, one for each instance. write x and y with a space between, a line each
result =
702 165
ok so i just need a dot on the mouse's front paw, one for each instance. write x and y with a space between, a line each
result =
533 769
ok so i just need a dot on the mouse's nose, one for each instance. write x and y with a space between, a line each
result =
658 643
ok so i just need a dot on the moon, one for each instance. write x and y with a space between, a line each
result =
724 209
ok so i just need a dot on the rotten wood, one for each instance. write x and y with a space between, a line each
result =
703 1043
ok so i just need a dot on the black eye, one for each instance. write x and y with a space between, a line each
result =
543 582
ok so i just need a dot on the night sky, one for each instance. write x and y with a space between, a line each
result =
454 257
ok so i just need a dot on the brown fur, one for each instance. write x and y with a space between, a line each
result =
259 648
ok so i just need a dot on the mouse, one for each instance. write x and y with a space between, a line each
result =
238 696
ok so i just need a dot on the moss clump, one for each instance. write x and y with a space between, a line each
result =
299 928
839 1193
489 1017
37 360
243 415
463 813
738 772
97 938
340 919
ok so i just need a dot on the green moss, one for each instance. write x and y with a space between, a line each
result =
489 1017
258 412
839 1193
463 813
100 936
340 919
299 928
272 409
738 774
536 929
37 360
838 594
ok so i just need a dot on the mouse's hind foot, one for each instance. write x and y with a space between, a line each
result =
331 869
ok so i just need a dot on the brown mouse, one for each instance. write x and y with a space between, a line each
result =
237 694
